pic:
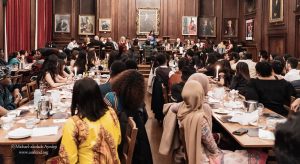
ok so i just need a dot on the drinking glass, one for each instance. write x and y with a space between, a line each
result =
7 123
261 122
30 123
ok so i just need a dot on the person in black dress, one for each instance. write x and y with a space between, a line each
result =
273 92
241 78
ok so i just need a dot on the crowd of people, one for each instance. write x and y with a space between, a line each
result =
97 127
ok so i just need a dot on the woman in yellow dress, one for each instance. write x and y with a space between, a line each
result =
92 134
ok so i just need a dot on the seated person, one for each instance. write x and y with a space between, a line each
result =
49 73
241 78
62 71
196 120
9 95
14 59
116 68
92 134
277 69
176 89
175 77
270 90
81 62
128 101
287 141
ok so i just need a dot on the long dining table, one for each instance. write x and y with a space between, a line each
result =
246 140
38 146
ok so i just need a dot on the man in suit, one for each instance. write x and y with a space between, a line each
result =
276 6
206 29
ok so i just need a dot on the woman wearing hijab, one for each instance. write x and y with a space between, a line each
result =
197 122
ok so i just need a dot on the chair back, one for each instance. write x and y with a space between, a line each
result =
161 49
25 96
31 87
182 139
165 93
148 51
17 79
129 142
53 160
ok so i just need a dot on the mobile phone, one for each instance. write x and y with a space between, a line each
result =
240 131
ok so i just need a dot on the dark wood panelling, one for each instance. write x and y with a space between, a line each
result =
207 8
277 45
1 25
278 37
87 6
62 6
123 14
230 8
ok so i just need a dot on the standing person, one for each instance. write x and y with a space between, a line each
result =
92 134
128 101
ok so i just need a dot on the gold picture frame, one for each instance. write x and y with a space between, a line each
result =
276 11
147 20
86 25
105 24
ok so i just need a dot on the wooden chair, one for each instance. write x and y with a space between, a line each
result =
129 143
53 160
17 79
165 93
25 96
31 87
182 139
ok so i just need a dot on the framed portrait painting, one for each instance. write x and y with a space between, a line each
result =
207 27
249 29
86 25
230 27
250 7
276 11
189 25
62 23
147 20
105 24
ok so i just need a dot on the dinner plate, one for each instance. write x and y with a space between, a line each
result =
221 111
19 133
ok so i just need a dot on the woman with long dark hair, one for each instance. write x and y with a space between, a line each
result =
49 73
128 101
241 78
225 73
81 62
92 134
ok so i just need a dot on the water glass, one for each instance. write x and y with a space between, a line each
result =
7 123
30 123
260 122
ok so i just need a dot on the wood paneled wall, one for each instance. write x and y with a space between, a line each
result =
276 38
1 25
123 14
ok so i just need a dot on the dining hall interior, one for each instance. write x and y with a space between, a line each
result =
149 81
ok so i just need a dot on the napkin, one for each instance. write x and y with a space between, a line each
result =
245 118
44 131
265 134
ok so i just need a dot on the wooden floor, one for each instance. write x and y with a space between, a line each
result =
154 132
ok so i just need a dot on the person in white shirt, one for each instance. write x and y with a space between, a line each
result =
72 44
292 73
251 64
